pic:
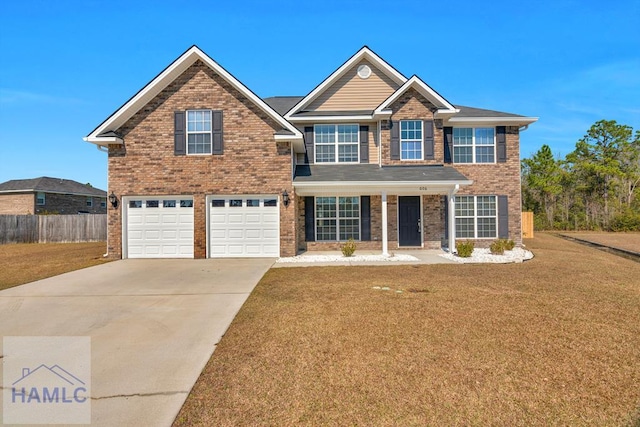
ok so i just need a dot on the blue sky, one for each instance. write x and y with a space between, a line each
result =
67 65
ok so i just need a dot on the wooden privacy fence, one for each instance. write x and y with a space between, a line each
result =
52 228
527 225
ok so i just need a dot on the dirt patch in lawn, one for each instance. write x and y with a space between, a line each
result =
25 262
553 341
628 241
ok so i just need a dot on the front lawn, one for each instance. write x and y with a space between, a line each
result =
25 262
553 341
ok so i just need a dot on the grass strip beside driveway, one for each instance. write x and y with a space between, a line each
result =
553 341
26 262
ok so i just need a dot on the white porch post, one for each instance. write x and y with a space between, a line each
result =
385 243
452 219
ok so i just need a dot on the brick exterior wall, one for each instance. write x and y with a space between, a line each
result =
412 106
252 163
17 204
63 204
499 179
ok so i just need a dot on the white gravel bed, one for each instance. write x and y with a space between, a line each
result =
480 255
341 258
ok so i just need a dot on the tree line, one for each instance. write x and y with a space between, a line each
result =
595 187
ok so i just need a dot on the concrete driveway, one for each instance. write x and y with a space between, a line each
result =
153 326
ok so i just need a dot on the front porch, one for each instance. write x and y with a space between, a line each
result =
382 208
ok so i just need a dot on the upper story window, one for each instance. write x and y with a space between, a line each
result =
474 145
336 143
40 200
411 140
89 202
199 132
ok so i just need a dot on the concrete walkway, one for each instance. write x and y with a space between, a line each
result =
424 256
153 326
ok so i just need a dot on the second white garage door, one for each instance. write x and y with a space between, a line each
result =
244 226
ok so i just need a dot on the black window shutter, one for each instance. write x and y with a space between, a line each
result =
365 217
448 145
216 132
308 145
309 219
364 144
179 134
501 140
427 133
446 217
503 217
395 140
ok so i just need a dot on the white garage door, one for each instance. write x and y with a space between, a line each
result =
244 226
159 227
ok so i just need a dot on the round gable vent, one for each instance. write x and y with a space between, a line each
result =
364 71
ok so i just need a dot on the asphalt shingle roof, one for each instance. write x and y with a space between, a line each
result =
375 173
46 184
282 104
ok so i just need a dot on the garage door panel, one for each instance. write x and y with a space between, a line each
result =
242 226
159 227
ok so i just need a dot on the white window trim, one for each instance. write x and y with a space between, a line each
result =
421 141
336 144
476 217
187 132
473 145
89 202
44 199
337 218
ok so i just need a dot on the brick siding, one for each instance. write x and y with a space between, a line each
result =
252 163
17 204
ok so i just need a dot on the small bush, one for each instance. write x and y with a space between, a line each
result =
497 247
348 248
509 245
465 249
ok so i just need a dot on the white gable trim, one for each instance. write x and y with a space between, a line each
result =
443 105
364 53
173 71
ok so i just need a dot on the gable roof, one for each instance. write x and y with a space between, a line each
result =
363 53
104 134
282 104
47 184
425 90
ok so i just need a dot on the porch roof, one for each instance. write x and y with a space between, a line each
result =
424 179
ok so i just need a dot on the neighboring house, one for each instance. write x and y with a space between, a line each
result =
50 196
203 167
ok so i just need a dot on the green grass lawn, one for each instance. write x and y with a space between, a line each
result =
553 341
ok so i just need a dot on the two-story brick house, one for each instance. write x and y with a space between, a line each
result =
203 167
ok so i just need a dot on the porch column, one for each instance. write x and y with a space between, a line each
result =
385 243
452 219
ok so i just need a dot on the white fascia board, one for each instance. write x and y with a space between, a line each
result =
331 119
443 111
104 141
364 53
173 71
492 120
288 137
376 187
423 89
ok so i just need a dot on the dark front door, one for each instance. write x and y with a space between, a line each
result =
409 226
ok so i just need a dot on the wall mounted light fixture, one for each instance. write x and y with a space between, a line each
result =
285 198
113 200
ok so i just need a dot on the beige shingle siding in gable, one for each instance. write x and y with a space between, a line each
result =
350 92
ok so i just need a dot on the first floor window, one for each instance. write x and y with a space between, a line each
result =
40 199
337 218
474 145
411 139
336 143
199 132
89 202
476 217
